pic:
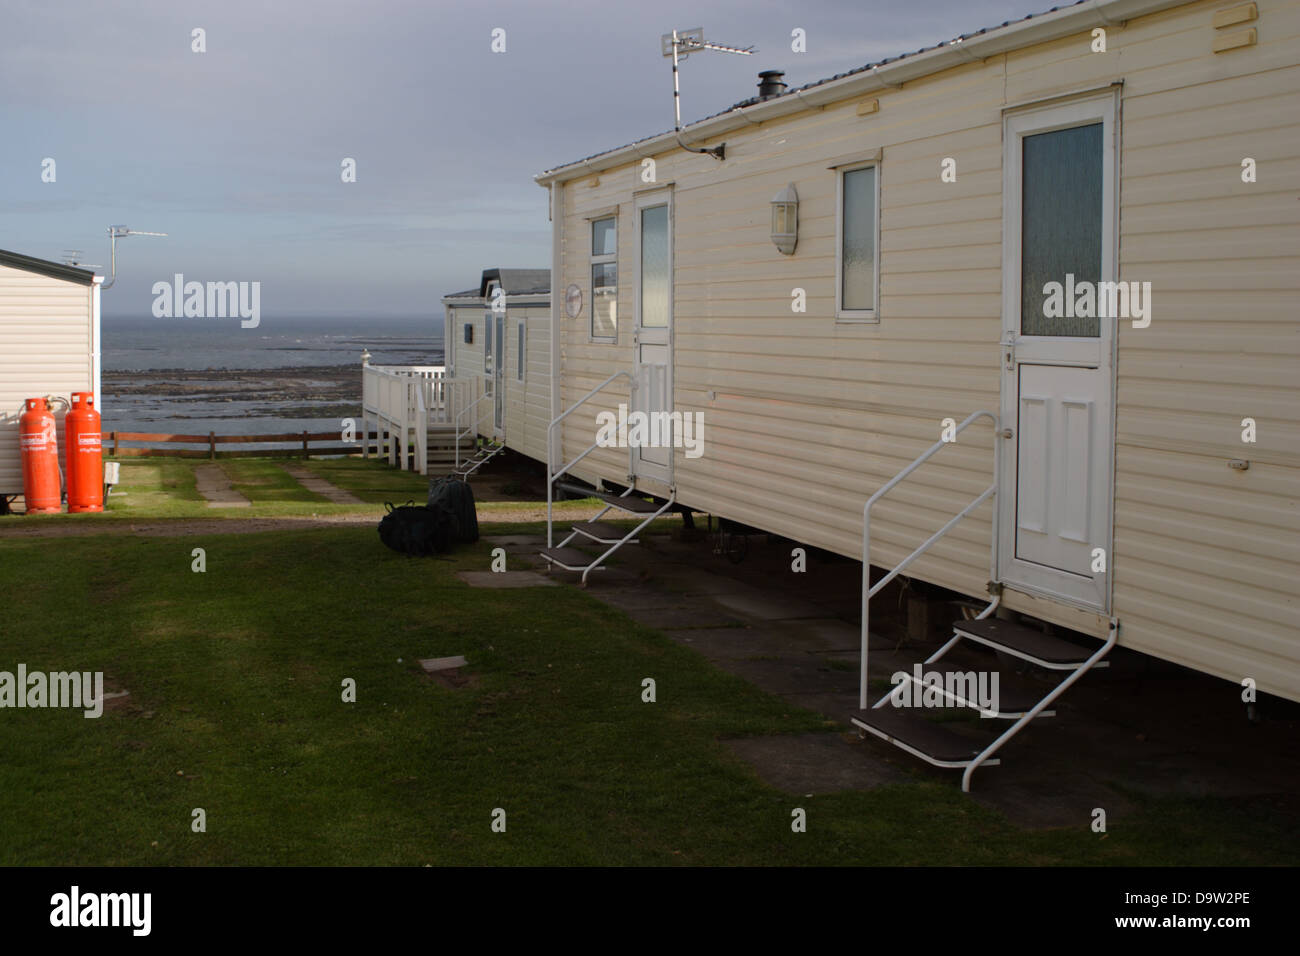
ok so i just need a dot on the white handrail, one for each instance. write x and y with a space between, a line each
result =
867 591
1061 688
550 449
473 429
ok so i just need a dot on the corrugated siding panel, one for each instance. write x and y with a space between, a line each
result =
44 350
538 383
805 418
528 403
1205 558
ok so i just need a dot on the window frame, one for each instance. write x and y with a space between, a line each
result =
842 314
594 260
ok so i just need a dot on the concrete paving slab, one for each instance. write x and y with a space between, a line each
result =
766 606
214 485
506 579
320 486
786 676
689 577
674 616
739 643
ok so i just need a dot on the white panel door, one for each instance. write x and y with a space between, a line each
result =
1057 451
653 334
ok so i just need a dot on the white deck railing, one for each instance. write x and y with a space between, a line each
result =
406 400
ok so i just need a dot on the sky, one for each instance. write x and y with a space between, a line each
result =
236 152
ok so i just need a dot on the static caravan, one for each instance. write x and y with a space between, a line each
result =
499 334
1016 313
49 345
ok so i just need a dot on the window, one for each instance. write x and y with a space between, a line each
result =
858 259
656 283
487 343
1061 223
519 352
604 279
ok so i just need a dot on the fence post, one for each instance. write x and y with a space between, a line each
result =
304 446
115 443
212 446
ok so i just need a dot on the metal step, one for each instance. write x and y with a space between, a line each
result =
631 504
481 457
909 731
1025 642
602 532
571 559
1015 696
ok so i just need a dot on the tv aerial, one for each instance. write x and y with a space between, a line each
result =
679 45
72 257
121 232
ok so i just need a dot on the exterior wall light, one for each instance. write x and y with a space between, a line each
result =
785 219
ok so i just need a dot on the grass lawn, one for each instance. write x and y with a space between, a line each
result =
235 707
163 488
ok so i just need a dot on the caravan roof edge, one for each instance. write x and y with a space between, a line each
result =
55 270
888 74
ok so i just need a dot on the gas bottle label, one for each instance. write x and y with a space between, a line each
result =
90 440
33 441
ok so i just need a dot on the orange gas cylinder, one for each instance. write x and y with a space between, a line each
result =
38 441
84 455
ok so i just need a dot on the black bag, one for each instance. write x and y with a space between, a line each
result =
416 529
456 498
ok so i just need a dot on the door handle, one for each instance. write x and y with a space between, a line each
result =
1007 433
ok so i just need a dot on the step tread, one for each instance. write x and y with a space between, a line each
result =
1015 694
1024 639
909 727
569 558
632 503
601 531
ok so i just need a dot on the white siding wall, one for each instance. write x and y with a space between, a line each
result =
528 403
808 417
45 349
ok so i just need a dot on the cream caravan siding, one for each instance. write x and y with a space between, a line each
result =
806 417
45 349
468 358
528 403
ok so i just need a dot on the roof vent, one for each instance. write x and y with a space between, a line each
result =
770 84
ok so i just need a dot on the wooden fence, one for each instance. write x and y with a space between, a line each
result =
306 444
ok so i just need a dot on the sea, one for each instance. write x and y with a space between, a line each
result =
289 374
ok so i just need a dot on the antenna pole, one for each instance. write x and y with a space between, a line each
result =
693 40
677 93
120 232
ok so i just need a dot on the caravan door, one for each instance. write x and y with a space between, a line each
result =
652 342
1057 447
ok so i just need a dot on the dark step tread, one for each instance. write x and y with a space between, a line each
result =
907 726
1025 640
630 503
602 532
569 558
1015 694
